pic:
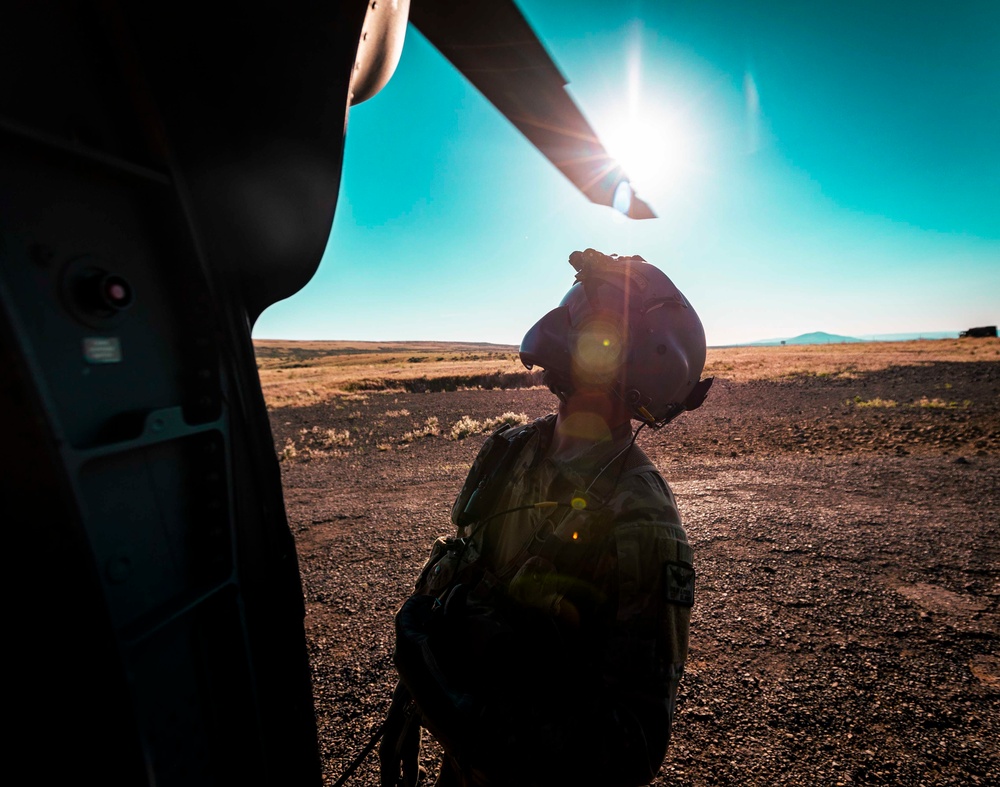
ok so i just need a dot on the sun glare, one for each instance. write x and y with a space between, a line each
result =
650 131
657 153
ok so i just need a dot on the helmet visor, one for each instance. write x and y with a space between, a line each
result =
546 344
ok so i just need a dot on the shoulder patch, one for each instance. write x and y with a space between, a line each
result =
678 583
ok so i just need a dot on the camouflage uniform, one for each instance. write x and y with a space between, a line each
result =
611 573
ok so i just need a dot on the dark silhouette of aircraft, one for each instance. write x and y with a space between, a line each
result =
167 171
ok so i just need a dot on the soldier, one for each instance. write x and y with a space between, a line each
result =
545 643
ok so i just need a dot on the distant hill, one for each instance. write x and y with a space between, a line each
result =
816 337
821 337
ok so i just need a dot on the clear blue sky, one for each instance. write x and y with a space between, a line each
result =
817 165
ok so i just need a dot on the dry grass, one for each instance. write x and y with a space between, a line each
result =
466 426
876 402
741 364
430 428
302 373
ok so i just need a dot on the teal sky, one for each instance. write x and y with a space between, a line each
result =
821 165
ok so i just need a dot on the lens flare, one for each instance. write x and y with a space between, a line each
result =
597 352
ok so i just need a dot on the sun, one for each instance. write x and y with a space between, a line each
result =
657 150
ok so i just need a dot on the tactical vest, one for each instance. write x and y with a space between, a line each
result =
485 482
453 559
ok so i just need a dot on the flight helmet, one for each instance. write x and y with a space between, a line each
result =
623 326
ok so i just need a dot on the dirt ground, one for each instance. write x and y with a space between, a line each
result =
846 543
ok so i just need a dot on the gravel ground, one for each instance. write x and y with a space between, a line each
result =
845 626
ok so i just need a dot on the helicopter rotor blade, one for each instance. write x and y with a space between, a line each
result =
494 47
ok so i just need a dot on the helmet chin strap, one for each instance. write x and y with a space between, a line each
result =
694 400
563 388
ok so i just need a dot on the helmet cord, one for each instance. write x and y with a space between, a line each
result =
626 450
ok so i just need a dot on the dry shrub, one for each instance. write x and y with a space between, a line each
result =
923 402
466 426
289 452
315 443
430 427
318 437
941 404
876 402
509 418
333 437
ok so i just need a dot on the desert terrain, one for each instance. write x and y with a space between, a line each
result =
843 502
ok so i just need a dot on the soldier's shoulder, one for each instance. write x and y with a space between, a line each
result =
509 432
645 495
644 481
544 425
